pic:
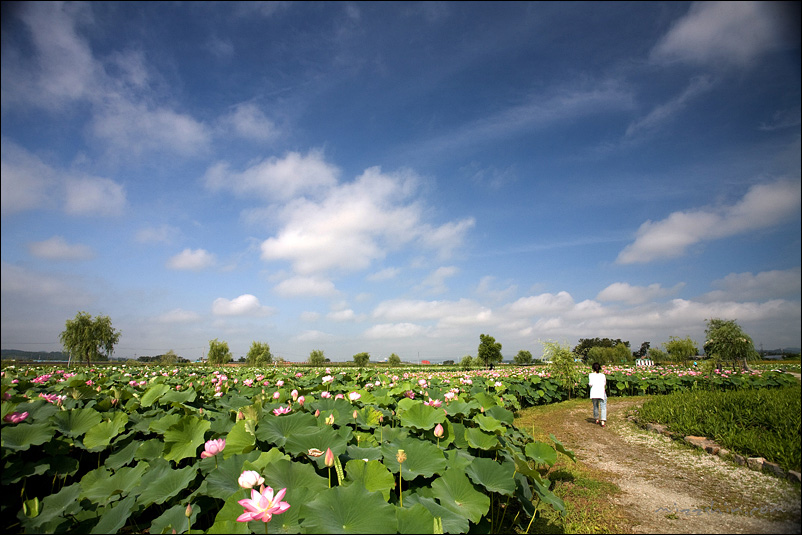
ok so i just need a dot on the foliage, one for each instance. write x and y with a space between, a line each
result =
219 353
168 358
93 339
466 363
618 354
680 349
523 357
563 365
394 360
584 345
361 359
657 354
762 423
317 358
259 354
727 342
489 350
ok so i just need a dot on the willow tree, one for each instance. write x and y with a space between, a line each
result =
92 339
727 342
259 354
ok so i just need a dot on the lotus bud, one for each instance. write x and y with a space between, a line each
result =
329 458
188 511
355 414
438 430
330 419
317 413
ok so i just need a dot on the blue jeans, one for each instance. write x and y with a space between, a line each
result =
599 404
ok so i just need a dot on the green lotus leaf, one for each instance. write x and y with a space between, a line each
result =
371 454
479 439
547 496
54 509
455 492
265 458
174 518
76 422
318 438
559 447
365 440
153 393
183 438
350 509
489 424
460 441
222 482
100 436
420 416
241 438
372 475
541 453
423 458
458 459
122 457
390 434
226 519
180 397
452 522
113 518
277 429
486 400
301 480
500 413
492 476
161 482
415 519
22 436
461 408
150 449
233 403
99 485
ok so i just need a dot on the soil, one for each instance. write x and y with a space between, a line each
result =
669 487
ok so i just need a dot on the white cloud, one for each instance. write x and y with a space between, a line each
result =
355 224
634 295
27 182
435 282
764 205
728 33
178 315
342 315
384 274
664 112
41 288
244 305
305 287
462 312
189 259
162 234
310 316
546 303
756 287
276 179
395 330
94 196
248 121
56 248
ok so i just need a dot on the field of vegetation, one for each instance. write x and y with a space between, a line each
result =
295 449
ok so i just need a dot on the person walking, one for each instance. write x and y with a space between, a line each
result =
598 393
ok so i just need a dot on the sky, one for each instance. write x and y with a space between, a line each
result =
399 177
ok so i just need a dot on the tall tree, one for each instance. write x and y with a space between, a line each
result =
317 358
727 342
93 339
523 357
489 350
681 349
259 354
361 359
394 360
219 353
563 364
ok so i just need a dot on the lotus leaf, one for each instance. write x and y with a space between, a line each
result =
350 509
162 482
453 522
183 439
423 458
455 491
494 477
23 436
420 416
372 475
100 436
541 453
114 517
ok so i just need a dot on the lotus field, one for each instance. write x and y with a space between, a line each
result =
137 449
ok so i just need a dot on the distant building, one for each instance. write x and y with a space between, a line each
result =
644 362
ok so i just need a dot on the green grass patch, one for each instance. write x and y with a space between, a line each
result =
752 422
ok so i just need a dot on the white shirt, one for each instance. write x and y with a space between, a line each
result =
598 385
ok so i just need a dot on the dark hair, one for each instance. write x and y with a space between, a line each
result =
596 367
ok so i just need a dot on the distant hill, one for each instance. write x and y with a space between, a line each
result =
17 354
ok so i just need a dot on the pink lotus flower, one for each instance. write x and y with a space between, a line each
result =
339 396
15 417
325 395
353 396
213 447
281 410
249 479
263 505
301 400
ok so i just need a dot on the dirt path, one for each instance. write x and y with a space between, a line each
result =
669 488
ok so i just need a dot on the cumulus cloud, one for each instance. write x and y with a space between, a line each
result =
633 295
94 196
545 303
462 312
248 121
276 179
57 248
27 182
764 205
355 224
244 305
178 315
305 287
762 286
395 330
435 282
193 260
724 33
384 274
160 234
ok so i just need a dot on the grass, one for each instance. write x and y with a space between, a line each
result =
585 490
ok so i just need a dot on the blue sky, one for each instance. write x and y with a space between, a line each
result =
399 177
